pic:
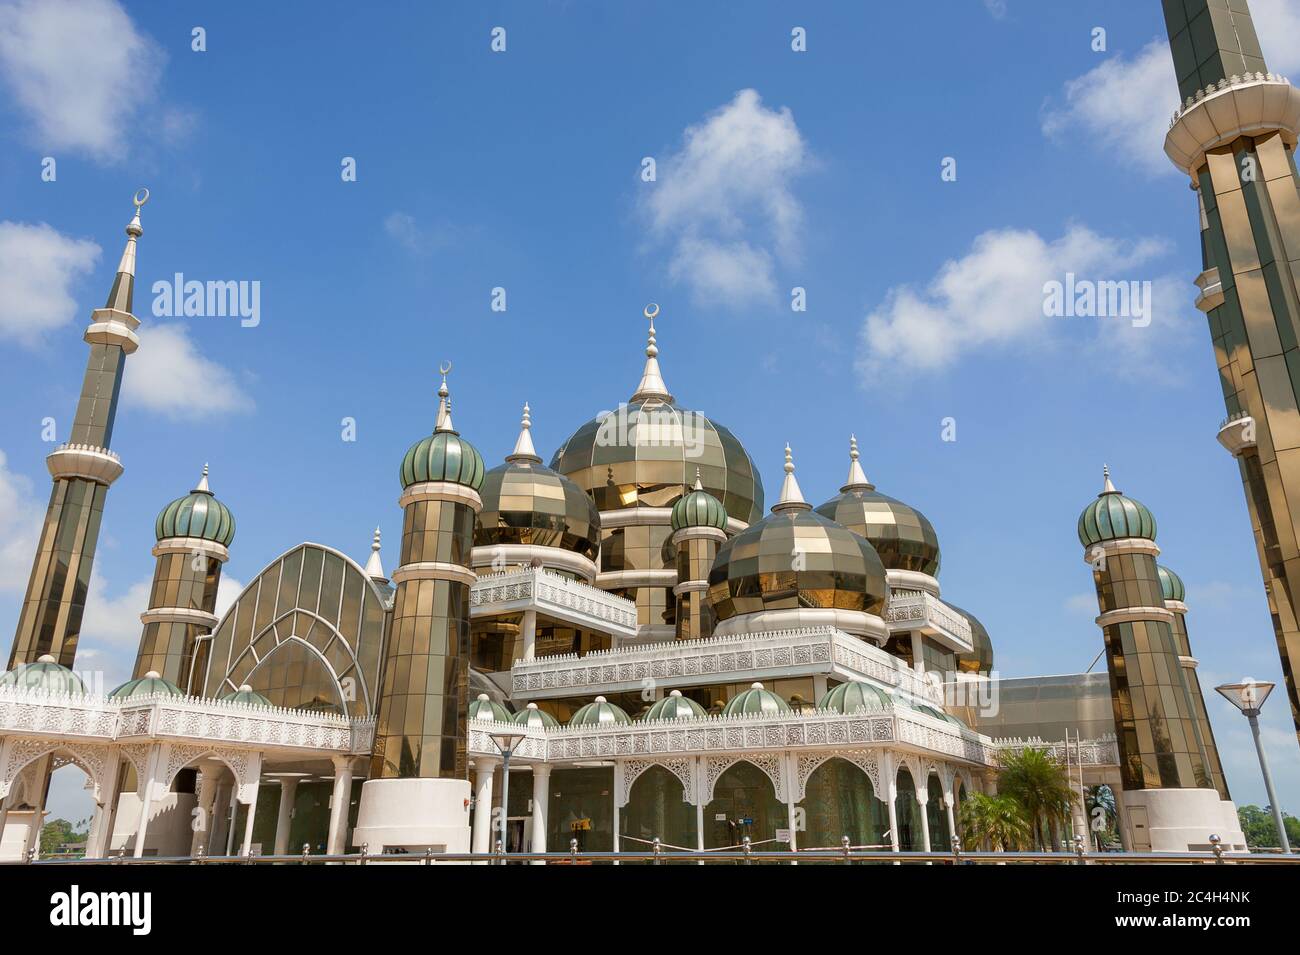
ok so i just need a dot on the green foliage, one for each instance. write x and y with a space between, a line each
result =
1039 784
994 823
1260 831
60 832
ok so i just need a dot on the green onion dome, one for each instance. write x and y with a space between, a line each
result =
902 536
1171 585
197 514
248 696
854 696
938 714
45 674
151 684
443 456
1114 517
599 712
755 700
980 659
484 708
536 718
674 706
698 509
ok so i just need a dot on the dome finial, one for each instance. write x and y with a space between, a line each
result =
652 382
202 487
791 496
1109 486
374 566
857 480
444 401
524 450
122 292
699 484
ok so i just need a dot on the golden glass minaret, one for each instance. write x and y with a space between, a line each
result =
1234 135
82 469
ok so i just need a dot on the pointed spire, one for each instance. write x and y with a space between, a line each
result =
857 480
791 496
374 566
1109 486
444 402
524 450
120 296
699 484
652 382
202 487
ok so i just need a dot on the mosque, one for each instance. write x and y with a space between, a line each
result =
625 644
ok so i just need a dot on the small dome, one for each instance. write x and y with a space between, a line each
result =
674 706
45 674
698 509
535 718
197 514
151 684
483 708
1114 517
599 712
248 696
928 710
980 659
1171 584
755 700
854 696
443 456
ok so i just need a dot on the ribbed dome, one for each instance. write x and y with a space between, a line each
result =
248 696
854 696
197 514
1171 584
980 659
755 700
599 712
526 503
902 536
536 718
443 456
674 706
45 674
1114 517
699 509
483 708
151 684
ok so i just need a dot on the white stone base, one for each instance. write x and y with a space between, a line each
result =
1177 820
1231 833
15 835
170 820
413 815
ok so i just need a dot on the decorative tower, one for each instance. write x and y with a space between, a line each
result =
1234 135
1171 587
193 535
1168 796
82 469
699 523
417 795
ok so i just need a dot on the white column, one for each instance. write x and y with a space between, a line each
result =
528 633
948 800
218 821
340 801
40 781
232 816
247 847
889 772
918 656
922 801
147 787
209 789
481 835
790 786
541 797
819 688
288 790
618 795
101 827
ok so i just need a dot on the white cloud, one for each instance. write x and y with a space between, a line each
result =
80 71
168 375
724 202
1123 105
415 238
993 297
228 591
21 516
114 622
996 8
38 268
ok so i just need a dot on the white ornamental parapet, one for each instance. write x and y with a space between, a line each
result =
1103 751
927 613
555 595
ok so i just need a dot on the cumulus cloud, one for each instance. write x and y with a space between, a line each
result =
993 296
724 204
21 514
38 268
169 376
1123 105
80 72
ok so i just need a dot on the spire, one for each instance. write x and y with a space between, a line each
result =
524 450
1109 487
444 402
857 477
791 496
374 566
202 487
699 484
652 382
120 296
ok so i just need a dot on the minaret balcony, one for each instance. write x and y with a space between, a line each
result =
1252 104
931 616
557 597
112 326
1237 433
1211 295
84 461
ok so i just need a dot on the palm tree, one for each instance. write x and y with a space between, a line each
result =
994 822
1039 784
1101 803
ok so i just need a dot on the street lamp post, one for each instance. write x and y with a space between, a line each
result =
1249 696
506 741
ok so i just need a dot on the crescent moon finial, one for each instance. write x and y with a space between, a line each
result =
651 311
445 368
141 197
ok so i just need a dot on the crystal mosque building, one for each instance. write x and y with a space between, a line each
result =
664 655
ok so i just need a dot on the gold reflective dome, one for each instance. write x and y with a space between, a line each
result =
527 503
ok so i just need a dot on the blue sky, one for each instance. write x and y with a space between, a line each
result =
522 170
